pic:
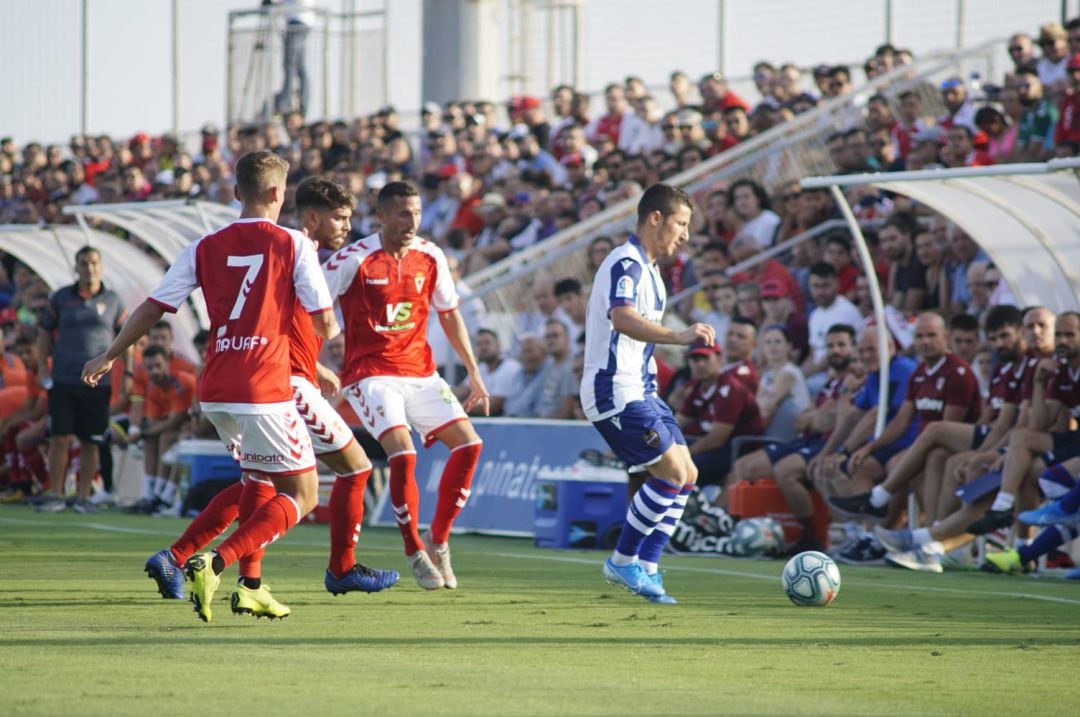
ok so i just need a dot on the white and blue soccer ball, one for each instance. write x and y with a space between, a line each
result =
811 579
759 536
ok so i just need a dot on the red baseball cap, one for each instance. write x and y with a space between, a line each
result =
447 171
528 102
771 289
700 348
8 315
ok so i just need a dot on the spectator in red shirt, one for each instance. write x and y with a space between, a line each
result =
715 93
717 408
608 128
744 247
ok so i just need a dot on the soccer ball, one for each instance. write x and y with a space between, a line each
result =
754 537
811 579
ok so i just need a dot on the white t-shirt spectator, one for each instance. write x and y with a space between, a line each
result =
1052 73
842 311
506 380
763 228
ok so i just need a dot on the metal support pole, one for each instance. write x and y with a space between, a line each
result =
721 13
890 20
176 67
579 45
84 124
959 24
879 306
325 65
550 8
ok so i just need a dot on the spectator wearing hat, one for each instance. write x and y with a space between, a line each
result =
958 106
716 407
532 116
1035 136
1067 131
1051 67
777 308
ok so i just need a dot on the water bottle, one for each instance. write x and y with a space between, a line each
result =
975 89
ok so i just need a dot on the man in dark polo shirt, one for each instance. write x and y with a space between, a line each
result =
79 323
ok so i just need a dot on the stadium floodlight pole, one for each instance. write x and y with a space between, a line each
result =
84 124
176 67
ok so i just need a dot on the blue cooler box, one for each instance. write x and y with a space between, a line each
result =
207 460
580 511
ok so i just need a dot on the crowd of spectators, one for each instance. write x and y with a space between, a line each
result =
498 179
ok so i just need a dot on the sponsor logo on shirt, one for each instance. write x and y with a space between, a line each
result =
398 317
930 404
377 282
239 343
263 458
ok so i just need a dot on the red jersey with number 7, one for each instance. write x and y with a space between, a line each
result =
385 302
253 274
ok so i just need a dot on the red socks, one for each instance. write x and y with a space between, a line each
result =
271 521
256 492
346 515
214 519
454 488
405 499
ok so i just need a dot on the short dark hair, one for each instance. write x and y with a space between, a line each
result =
842 329
489 332
202 338
744 321
257 171
1001 316
86 249
964 322
567 286
905 222
154 350
717 246
322 193
823 270
393 190
839 239
662 198
163 324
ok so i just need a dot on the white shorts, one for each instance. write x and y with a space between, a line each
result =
328 431
387 402
273 444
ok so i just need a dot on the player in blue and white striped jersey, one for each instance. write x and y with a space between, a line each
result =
618 385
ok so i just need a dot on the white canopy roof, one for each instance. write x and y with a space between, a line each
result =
129 271
1025 216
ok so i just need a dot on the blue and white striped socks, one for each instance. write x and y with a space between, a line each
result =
647 510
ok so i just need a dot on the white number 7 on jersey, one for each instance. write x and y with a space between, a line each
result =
253 263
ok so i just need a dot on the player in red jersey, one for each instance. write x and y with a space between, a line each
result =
325 208
385 284
253 274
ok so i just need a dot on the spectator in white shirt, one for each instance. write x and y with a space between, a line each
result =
830 308
751 205
502 376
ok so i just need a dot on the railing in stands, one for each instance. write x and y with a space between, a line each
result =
784 154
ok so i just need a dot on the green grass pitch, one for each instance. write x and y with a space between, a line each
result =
528 632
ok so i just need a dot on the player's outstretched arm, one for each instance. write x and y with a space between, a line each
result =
627 321
454 328
325 324
138 324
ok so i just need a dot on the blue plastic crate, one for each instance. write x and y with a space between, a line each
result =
211 467
578 513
